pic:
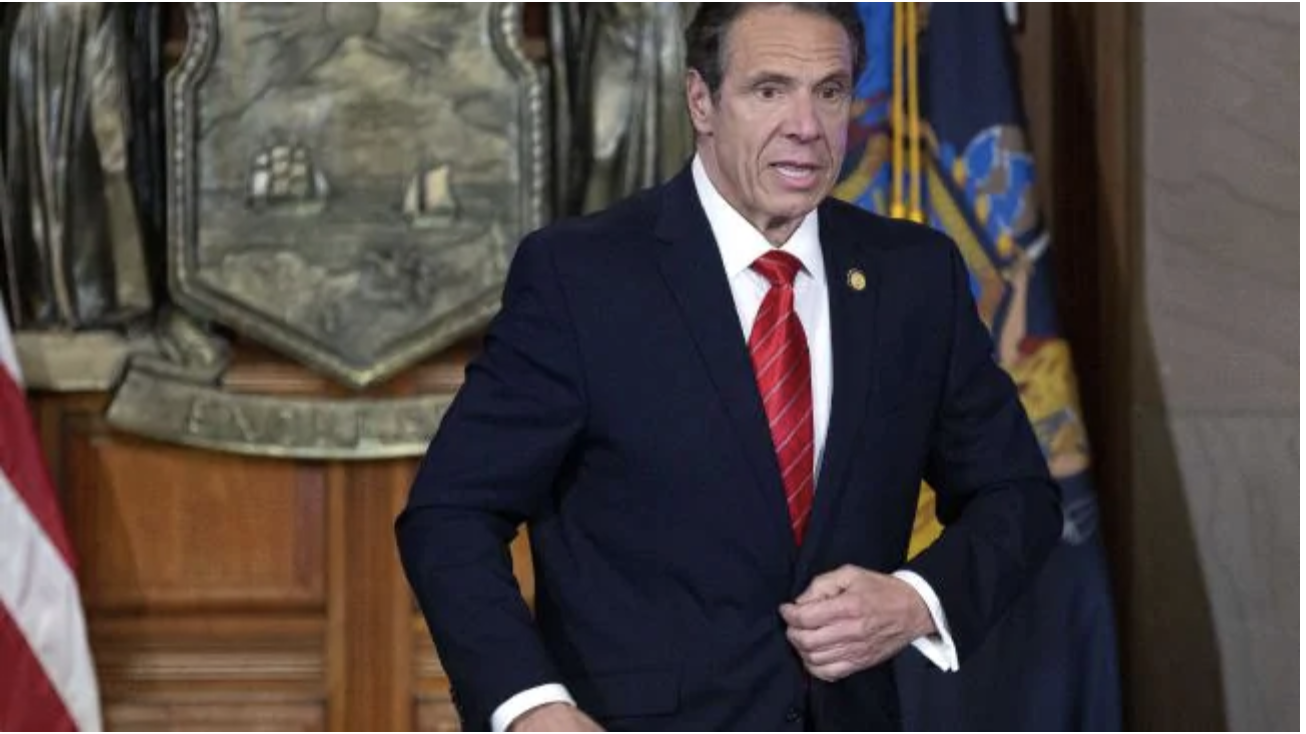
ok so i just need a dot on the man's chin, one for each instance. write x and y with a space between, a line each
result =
796 205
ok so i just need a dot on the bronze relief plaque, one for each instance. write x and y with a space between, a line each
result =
347 182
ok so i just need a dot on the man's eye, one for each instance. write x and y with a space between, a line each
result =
768 92
832 94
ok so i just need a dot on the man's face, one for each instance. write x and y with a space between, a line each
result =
773 139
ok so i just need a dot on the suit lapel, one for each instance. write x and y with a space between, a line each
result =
853 336
691 266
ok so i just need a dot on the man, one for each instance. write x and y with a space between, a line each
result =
713 405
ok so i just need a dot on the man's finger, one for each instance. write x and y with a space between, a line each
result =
830 672
821 638
816 614
827 656
828 585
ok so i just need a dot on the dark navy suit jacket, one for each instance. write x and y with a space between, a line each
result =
615 411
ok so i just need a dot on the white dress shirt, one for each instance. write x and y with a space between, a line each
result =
740 244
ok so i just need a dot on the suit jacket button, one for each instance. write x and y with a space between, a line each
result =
793 715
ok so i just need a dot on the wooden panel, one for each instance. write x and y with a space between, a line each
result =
176 527
227 592
211 672
369 614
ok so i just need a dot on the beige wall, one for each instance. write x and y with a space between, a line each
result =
1214 507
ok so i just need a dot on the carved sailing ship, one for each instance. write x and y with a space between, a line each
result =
428 200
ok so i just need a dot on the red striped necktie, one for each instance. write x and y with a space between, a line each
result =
778 348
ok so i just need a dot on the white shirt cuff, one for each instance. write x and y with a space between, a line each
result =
938 648
512 709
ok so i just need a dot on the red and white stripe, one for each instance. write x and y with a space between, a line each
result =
47 680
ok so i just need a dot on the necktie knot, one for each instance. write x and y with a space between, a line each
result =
779 268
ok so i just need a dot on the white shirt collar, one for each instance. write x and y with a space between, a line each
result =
741 243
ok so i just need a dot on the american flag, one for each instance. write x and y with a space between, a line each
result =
47 680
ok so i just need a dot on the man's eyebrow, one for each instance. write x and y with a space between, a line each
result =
775 77
841 77
770 77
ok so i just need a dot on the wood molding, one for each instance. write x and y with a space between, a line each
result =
135 666
230 714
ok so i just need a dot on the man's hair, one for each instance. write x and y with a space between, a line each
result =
706 35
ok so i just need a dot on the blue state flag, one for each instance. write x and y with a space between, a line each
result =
1050 665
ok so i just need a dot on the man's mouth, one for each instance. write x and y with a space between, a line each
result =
799 173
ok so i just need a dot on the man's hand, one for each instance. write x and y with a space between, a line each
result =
851 619
554 717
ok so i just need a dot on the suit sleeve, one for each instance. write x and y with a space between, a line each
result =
1000 507
491 465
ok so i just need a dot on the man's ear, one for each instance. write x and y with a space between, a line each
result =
699 100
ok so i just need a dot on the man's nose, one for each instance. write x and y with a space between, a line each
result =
801 121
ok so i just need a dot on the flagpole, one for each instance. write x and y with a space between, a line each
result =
896 208
917 211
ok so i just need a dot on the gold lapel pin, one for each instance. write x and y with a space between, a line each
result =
857 280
